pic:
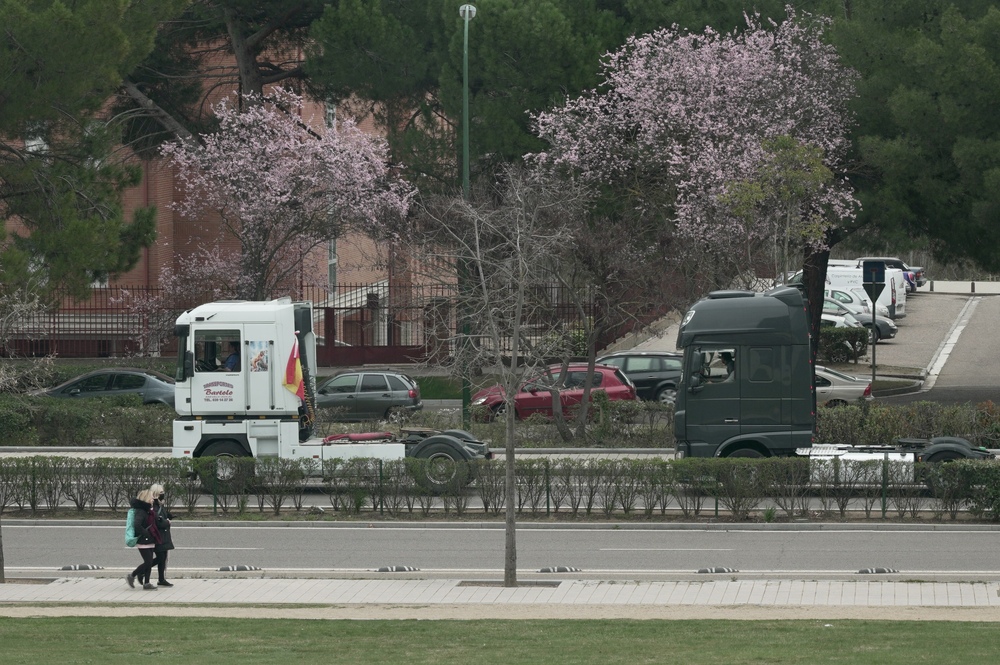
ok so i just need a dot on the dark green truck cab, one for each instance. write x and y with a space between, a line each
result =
747 388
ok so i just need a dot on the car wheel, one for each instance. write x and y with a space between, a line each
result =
396 415
839 356
873 335
667 395
834 403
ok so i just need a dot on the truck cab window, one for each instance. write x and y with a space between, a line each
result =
217 350
719 366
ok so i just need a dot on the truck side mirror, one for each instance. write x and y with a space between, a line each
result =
694 383
188 364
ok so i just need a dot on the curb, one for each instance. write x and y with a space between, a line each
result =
547 525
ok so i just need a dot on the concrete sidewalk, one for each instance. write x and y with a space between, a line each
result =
567 597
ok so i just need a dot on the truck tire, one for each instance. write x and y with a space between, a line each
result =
227 475
746 452
442 469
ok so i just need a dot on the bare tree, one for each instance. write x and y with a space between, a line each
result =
505 242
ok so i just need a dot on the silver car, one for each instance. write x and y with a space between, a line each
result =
884 328
369 395
151 386
834 388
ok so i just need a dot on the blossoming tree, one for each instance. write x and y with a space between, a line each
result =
683 122
280 191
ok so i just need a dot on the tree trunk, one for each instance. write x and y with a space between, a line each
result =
251 81
510 520
814 281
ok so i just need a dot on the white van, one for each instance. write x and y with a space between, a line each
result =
893 296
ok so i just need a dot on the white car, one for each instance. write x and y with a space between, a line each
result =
837 389
835 321
858 298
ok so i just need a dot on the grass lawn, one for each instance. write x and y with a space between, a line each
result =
148 638
439 387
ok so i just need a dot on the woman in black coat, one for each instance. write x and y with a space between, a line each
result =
144 525
166 543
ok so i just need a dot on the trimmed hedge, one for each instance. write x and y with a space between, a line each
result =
737 489
112 421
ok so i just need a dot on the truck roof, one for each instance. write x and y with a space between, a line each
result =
237 311
776 317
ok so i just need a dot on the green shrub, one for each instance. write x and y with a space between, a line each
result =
840 345
16 426
64 422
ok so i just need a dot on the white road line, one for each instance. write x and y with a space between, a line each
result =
226 549
944 351
665 549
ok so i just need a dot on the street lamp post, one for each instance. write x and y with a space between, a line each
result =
467 12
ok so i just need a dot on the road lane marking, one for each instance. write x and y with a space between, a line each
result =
666 549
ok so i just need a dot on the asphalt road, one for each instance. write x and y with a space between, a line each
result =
954 338
640 552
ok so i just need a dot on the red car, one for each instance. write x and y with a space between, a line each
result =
534 396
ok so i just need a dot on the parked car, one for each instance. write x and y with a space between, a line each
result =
655 374
534 396
858 298
834 388
152 386
369 395
884 327
838 321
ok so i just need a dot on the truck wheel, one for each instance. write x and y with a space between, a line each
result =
229 473
746 452
443 468
666 395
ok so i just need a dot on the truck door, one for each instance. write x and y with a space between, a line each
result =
217 386
713 403
764 407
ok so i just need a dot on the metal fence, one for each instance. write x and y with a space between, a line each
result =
375 323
